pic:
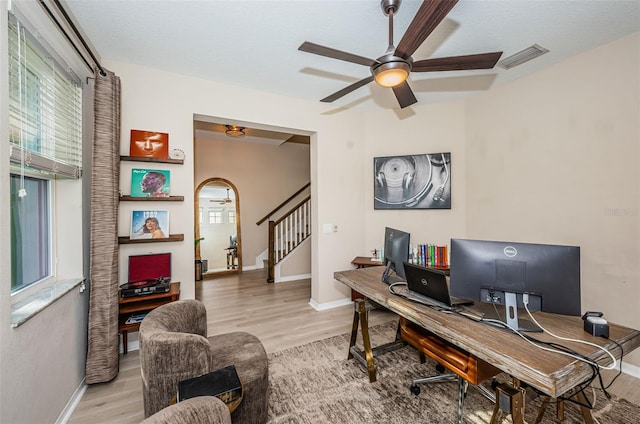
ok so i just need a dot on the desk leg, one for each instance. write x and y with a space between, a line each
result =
354 330
125 342
586 412
509 399
360 316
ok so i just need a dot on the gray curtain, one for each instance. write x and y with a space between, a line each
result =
103 340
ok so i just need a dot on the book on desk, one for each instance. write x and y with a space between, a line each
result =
223 383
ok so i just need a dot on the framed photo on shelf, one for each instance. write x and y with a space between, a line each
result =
149 224
150 182
149 144
412 181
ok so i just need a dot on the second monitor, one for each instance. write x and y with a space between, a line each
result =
396 253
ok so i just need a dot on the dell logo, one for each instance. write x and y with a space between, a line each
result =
510 251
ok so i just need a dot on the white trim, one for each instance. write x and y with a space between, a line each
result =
630 369
131 346
264 256
293 278
72 404
329 305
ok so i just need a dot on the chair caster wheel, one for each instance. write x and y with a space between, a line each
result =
440 368
415 389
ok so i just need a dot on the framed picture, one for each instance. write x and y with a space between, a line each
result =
150 182
412 181
149 224
149 144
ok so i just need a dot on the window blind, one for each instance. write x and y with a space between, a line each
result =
45 109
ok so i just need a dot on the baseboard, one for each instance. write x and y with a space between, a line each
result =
131 346
632 370
72 404
329 305
293 278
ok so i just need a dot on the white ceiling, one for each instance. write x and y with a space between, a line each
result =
254 44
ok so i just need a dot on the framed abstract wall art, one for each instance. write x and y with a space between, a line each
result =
412 181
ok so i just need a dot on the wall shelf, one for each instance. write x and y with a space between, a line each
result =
155 160
172 237
152 199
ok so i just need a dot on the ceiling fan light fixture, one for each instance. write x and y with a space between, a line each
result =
234 131
391 74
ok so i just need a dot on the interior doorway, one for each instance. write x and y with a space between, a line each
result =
218 245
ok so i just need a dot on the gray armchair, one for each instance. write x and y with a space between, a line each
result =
198 410
174 347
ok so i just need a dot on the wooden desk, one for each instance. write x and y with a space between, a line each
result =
552 374
128 306
365 262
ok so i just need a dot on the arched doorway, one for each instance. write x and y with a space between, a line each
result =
217 231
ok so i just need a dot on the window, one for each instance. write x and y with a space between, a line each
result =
45 139
232 217
215 217
30 231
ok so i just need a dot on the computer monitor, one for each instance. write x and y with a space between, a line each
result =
503 272
396 252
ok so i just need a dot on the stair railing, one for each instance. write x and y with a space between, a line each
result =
286 233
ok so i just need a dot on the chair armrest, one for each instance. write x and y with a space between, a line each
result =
198 410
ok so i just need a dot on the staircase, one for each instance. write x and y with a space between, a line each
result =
287 232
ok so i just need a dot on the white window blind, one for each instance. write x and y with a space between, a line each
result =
45 109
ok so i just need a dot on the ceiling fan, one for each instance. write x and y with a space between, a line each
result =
393 68
225 201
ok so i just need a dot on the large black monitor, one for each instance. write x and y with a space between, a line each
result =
396 253
502 272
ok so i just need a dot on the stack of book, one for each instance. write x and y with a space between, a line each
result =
223 383
430 255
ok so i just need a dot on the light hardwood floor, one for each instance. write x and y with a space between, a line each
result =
279 314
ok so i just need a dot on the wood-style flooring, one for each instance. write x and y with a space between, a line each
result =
278 314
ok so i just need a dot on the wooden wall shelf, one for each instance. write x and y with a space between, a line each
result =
172 237
156 160
153 199
128 306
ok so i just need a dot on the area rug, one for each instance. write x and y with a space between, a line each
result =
316 384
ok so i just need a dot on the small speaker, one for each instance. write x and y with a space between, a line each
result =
595 325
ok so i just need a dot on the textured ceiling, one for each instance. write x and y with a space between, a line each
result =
254 44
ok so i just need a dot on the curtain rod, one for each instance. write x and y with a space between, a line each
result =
77 34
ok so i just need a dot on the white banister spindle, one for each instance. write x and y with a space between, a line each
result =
292 230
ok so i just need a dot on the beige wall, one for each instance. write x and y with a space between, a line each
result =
166 102
424 129
553 158
265 176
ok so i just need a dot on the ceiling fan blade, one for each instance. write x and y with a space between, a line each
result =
335 96
430 14
404 94
335 54
458 63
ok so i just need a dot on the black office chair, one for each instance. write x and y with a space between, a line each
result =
463 367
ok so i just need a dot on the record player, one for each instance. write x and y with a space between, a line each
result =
140 288
148 274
